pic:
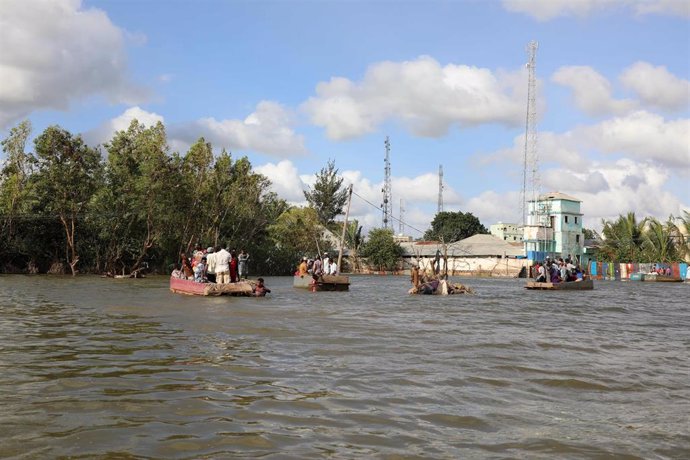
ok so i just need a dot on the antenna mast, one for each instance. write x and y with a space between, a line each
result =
401 227
530 169
387 196
440 188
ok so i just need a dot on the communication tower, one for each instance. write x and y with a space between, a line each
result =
440 188
387 195
401 226
531 168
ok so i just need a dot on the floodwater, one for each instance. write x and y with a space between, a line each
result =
103 368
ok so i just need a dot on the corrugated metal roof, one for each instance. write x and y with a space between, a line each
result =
474 246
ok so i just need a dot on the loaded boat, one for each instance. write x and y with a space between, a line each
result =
581 285
322 283
190 287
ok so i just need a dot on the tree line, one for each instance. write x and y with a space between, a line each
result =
649 240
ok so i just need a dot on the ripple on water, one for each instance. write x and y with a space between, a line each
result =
92 369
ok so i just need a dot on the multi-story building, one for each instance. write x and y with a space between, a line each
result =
507 232
554 227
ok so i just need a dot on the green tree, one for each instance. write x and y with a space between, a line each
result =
589 234
658 241
295 234
15 195
327 197
133 207
381 250
68 174
622 239
682 237
453 226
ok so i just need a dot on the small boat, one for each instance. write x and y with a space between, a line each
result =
662 278
183 286
584 285
324 282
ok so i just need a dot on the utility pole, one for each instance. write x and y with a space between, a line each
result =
387 195
440 189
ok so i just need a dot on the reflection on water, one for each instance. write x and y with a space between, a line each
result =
93 367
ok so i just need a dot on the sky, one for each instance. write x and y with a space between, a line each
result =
294 84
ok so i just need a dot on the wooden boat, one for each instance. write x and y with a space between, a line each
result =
662 278
183 286
324 283
584 285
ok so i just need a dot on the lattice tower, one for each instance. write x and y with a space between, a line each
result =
530 174
387 195
440 188
401 226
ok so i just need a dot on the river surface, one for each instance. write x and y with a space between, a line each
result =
103 368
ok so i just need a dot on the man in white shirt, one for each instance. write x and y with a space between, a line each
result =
222 266
326 264
211 265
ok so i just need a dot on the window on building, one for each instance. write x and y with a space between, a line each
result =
577 238
575 219
566 219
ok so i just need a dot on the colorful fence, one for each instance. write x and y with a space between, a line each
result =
628 271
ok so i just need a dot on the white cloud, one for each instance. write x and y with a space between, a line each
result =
285 180
591 91
656 86
105 131
267 130
641 134
544 10
421 94
55 52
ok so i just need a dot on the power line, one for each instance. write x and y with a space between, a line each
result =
392 217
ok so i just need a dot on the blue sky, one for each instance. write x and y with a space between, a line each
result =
292 84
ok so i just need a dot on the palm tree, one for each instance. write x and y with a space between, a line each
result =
623 238
658 243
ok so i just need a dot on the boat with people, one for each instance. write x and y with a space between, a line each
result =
325 276
191 287
579 285
321 282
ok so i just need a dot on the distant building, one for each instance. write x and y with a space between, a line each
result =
478 255
400 238
507 232
554 227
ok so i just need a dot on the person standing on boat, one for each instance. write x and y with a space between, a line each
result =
541 274
222 266
233 267
243 264
302 268
334 268
317 268
326 264
211 265
186 266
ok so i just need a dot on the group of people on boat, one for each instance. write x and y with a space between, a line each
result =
317 266
659 270
217 265
434 283
557 271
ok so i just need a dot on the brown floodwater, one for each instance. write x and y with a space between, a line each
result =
103 368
